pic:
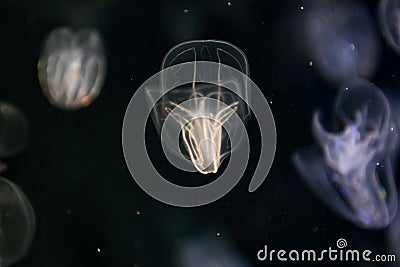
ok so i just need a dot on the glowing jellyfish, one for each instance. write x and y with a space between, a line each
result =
13 130
17 223
342 40
72 67
389 16
350 169
202 111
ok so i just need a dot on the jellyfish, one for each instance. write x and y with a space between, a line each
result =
72 67
389 18
202 111
17 223
350 167
13 130
342 40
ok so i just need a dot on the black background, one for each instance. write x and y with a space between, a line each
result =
73 169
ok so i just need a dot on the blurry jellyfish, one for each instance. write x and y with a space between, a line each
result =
72 67
342 40
17 223
350 169
13 130
389 16
202 110
209 250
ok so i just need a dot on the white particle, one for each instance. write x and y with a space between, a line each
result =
310 63
98 250
229 4
186 11
353 47
377 164
302 7
392 129
347 88
218 234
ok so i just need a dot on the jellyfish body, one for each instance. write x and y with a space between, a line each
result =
351 169
389 17
13 130
342 41
72 67
17 223
203 112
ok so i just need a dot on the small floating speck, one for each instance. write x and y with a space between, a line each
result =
229 4
98 250
186 11
302 7
138 212
310 63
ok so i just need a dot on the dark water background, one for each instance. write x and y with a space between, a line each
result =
73 169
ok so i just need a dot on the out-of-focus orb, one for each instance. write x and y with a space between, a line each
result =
72 67
13 130
389 17
17 223
342 40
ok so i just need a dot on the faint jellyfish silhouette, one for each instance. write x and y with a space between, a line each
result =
209 250
17 223
202 110
389 18
342 40
351 169
13 130
72 67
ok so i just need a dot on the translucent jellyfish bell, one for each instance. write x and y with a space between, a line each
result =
13 130
351 169
72 67
202 111
389 16
17 223
342 40
367 130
